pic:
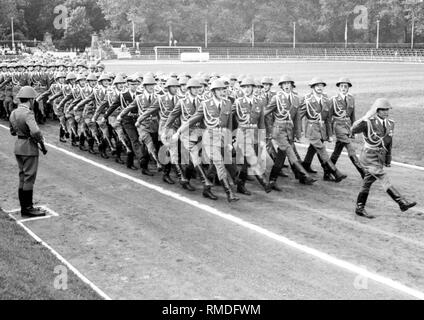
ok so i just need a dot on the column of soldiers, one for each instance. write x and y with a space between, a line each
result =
221 130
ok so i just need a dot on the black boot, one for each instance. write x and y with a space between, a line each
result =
166 175
354 159
207 193
184 182
130 161
331 168
102 149
273 177
118 154
241 183
404 204
301 174
28 209
74 140
308 159
82 142
207 185
21 198
266 185
360 206
337 152
62 135
91 145
230 194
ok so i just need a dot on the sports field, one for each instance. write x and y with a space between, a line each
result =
137 238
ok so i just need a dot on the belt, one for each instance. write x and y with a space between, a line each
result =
23 138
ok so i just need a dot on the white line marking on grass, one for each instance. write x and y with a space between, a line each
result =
59 257
303 248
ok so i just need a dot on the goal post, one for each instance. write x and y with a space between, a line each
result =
173 53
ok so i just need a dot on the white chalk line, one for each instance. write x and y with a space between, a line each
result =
305 249
54 252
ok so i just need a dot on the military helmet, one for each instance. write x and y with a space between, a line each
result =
344 80
81 77
226 81
27 92
286 79
382 103
172 82
258 84
60 75
91 77
104 76
194 83
232 77
133 78
247 82
203 81
183 81
173 75
119 79
218 84
71 76
112 75
149 81
316 81
267 80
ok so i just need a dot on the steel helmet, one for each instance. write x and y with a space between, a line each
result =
91 77
233 77
286 79
172 82
149 80
258 84
226 81
247 82
133 78
81 77
194 83
119 79
103 76
215 74
26 92
203 81
344 80
316 81
218 84
60 75
183 81
267 80
173 75
382 103
71 76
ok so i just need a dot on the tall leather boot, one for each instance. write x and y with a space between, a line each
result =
118 153
91 145
337 152
28 209
262 181
184 182
273 177
207 185
301 174
166 174
130 161
62 135
230 194
404 204
21 198
82 142
74 139
360 206
354 159
331 168
144 165
307 162
328 176
241 183
102 149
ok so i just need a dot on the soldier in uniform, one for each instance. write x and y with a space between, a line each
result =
166 103
128 123
343 116
216 115
249 114
377 130
67 94
148 128
285 126
3 76
24 126
40 82
315 107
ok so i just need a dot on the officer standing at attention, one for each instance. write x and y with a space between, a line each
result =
24 126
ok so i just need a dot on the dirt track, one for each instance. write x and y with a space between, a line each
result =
134 242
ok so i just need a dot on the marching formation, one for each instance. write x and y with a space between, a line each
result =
221 130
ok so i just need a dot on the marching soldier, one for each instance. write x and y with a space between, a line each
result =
315 107
216 115
343 116
24 126
285 127
378 131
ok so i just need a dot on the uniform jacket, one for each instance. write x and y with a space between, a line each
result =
249 113
183 111
318 124
213 116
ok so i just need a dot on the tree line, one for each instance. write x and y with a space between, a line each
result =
226 20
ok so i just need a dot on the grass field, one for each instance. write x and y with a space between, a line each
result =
401 83
27 268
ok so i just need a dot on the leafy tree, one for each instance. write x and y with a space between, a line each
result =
79 31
